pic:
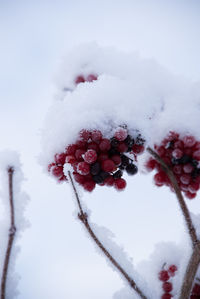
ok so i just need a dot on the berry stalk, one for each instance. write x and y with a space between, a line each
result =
12 232
84 219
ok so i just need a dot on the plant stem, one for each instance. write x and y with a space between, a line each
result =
84 219
12 232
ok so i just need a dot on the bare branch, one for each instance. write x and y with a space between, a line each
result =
84 219
12 232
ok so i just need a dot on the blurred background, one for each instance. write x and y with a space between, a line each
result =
57 260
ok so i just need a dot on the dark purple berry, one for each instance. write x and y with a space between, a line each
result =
131 169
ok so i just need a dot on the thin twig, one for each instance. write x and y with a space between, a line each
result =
84 219
183 206
12 232
194 261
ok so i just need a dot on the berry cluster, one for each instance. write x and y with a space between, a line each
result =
165 276
82 78
182 155
99 160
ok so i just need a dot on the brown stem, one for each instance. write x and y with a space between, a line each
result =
183 206
190 273
12 232
194 261
84 219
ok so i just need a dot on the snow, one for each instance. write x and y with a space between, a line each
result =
11 159
130 90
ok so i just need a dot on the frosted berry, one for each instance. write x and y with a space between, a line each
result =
89 185
104 145
119 184
196 155
108 165
167 286
70 150
163 275
79 178
121 134
70 159
79 79
160 178
94 146
57 171
85 135
189 141
90 156
83 168
60 158
185 179
91 78
172 269
177 154
96 136
188 168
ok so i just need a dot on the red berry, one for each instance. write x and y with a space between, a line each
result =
119 184
50 166
121 134
177 169
160 178
189 141
79 178
102 157
96 136
150 164
190 195
138 149
81 144
172 269
79 154
70 159
89 185
90 156
184 187
70 150
91 78
57 171
60 158
166 296
108 165
116 159
163 275
167 286
161 151
109 181
177 153
62 179
193 187
196 155
104 145
185 179
79 79
122 147
94 146
188 168
83 168
85 135
196 289
179 144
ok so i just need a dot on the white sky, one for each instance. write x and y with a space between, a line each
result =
57 260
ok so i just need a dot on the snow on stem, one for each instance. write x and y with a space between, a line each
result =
12 232
84 219
194 261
